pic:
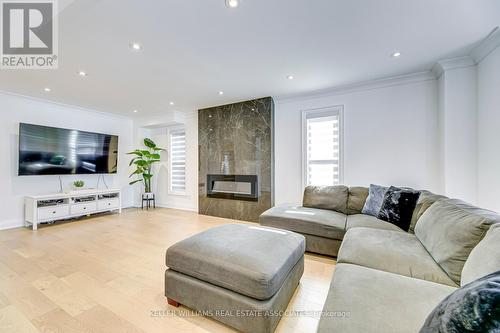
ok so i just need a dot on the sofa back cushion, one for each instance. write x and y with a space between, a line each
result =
425 200
356 200
450 229
326 197
484 258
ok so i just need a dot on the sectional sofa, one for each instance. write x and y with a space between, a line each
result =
386 279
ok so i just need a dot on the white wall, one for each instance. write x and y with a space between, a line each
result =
458 126
390 136
156 129
488 79
16 109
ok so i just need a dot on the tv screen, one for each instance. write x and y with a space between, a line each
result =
47 150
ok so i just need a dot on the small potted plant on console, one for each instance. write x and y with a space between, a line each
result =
78 184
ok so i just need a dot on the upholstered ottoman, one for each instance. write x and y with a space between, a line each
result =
241 275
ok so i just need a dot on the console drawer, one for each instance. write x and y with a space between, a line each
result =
85 208
108 204
52 213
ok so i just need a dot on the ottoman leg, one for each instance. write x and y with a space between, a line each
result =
172 302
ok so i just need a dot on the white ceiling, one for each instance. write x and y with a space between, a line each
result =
193 49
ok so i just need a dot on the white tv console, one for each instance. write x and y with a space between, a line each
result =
62 206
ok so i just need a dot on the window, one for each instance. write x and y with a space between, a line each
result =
177 179
322 146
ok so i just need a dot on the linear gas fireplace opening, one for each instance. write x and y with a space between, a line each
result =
236 187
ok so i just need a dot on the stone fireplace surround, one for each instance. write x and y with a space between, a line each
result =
235 150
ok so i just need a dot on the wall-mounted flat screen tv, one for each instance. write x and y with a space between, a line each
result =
47 150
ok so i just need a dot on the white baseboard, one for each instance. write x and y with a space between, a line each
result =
11 224
164 205
191 209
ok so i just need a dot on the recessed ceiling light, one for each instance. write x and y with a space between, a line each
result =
135 111
136 46
47 89
221 93
290 77
396 54
232 3
82 73
171 103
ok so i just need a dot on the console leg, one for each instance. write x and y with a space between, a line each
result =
172 302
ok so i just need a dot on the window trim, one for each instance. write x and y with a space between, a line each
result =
331 110
169 139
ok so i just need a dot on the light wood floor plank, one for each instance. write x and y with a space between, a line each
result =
58 321
71 300
101 319
13 321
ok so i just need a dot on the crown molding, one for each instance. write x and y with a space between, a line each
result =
361 86
481 51
487 45
454 63
76 107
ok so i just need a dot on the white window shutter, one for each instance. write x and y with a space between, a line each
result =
322 148
177 160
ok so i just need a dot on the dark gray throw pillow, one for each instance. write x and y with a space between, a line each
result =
398 206
374 200
473 308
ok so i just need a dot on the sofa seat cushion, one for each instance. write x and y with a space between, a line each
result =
249 260
368 221
391 251
312 221
450 229
366 300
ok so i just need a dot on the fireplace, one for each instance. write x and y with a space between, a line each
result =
236 187
235 159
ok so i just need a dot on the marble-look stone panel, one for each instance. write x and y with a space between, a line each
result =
236 139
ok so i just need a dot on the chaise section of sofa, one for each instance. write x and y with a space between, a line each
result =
323 229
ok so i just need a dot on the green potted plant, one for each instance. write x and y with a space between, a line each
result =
78 184
143 161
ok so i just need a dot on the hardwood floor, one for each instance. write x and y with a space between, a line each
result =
106 274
